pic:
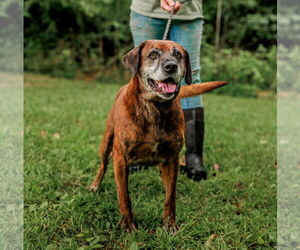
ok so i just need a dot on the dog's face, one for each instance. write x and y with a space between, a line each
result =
160 65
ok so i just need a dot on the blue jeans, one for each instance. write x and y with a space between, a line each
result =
186 33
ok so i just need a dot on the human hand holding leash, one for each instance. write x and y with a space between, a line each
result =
170 5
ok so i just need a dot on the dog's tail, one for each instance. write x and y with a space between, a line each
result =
199 88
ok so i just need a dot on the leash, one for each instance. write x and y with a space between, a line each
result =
168 26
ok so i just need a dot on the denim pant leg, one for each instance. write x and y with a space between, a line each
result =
146 28
189 35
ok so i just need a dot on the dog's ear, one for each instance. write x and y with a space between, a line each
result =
132 59
188 70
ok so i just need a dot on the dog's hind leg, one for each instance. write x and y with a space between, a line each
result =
104 151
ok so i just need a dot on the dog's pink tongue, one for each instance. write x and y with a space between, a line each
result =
167 87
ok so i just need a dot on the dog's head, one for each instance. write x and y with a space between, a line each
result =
160 66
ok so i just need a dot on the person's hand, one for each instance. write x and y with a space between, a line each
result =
170 5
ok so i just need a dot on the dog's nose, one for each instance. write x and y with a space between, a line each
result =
170 67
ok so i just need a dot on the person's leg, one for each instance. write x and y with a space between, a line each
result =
194 139
189 35
145 28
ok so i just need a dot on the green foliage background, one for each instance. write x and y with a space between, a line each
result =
86 39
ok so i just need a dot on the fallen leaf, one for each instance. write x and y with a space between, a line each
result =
239 203
210 239
56 136
216 167
43 134
263 141
275 164
239 185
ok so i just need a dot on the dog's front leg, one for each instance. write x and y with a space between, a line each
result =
169 172
121 178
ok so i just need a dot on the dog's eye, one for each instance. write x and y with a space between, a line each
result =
177 54
153 55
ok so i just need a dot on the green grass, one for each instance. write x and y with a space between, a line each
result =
234 209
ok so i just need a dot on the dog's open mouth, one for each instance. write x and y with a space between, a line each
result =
167 86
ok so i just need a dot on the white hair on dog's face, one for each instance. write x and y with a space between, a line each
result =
156 79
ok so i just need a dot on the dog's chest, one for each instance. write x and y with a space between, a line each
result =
153 149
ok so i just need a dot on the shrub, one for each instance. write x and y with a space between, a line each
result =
248 72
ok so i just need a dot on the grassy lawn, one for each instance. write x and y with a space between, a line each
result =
234 209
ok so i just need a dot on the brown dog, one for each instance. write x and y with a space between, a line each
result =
146 123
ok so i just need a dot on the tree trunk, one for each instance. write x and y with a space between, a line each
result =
218 25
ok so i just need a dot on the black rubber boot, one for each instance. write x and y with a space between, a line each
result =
194 137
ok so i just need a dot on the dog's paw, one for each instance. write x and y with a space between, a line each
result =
170 225
93 187
130 228
128 225
172 228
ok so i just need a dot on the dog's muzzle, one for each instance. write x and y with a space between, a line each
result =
165 87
